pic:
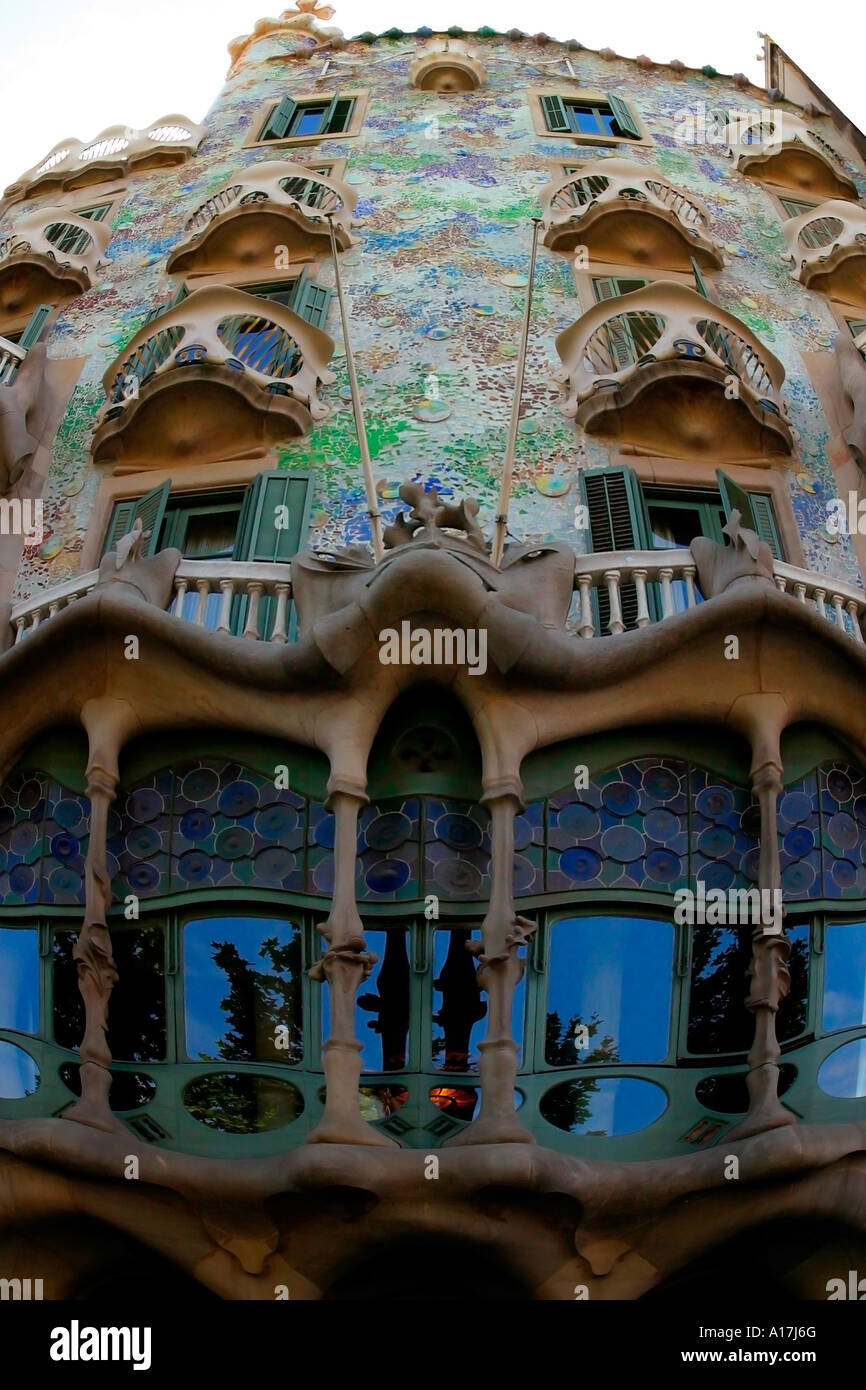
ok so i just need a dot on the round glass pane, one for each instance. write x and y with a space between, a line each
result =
603 1106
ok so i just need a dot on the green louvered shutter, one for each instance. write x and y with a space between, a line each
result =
259 538
736 498
617 521
35 325
280 119
310 301
623 116
151 509
700 282
555 116
765 522
337 116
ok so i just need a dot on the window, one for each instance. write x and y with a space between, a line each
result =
19 980
94 214
242 989
857 326
298 119
301 294
627 515
795 207
229 524
609 118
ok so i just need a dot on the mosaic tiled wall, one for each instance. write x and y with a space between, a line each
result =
436 285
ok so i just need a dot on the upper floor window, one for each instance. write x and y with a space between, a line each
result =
300 293
308 118
796 207
609 118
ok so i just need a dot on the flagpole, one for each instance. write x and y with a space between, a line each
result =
501 521
366 465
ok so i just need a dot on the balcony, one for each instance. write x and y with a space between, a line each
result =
668 370
785 151
827 250
664 584
447 66
219 375
11 357
115 152
51 256
273 204
628 214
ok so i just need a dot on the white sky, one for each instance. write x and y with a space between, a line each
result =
71 69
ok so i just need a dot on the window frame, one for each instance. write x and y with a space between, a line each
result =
586 96
359 95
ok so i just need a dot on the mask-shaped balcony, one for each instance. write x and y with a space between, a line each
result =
115 152
670 371
220 375
273 204
51 256
780 148
628 214
447 65
827 250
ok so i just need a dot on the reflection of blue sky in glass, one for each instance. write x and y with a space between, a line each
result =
19 980
843 1073
206 985
18 1072
441 943
621 1105
619 968
845 975
372 1059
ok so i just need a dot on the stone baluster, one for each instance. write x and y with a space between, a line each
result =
203 586
343 968
584 584
689 572
280 632
854 615
255 589
500 970
666 575
643 616
227 588
762 719
615 622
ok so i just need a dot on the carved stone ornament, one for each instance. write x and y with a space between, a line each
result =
720 566
149 577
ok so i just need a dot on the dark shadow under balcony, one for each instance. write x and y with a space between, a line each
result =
785 151
671 372
273 204
217 376
628 214
51 256
827 249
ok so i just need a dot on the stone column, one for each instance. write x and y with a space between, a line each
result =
762 719
108 723
500 970
344 967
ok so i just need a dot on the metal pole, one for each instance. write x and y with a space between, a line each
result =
366 465
501 521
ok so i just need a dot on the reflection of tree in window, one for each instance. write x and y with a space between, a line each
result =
136 1013
461 1006
718 1020
259 1003
570 1105
391 1002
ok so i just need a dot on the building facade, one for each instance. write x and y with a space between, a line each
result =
414 886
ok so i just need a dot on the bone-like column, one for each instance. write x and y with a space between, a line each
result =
500 970
108 723
763 721
343 968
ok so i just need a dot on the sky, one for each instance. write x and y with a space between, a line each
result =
73 69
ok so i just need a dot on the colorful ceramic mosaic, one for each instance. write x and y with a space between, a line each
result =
447 188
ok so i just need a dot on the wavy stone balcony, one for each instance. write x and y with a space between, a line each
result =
447 65
114 152
628 214
273 204
216 376
674 373
51 256
827 250
786 151
664 582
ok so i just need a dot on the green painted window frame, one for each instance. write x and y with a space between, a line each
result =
556 112
796 207
287 114
303 296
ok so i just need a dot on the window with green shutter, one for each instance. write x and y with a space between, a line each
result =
755 508
795 207
291 119
32 332
608 118
301 294
617 521
151 509
272 528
